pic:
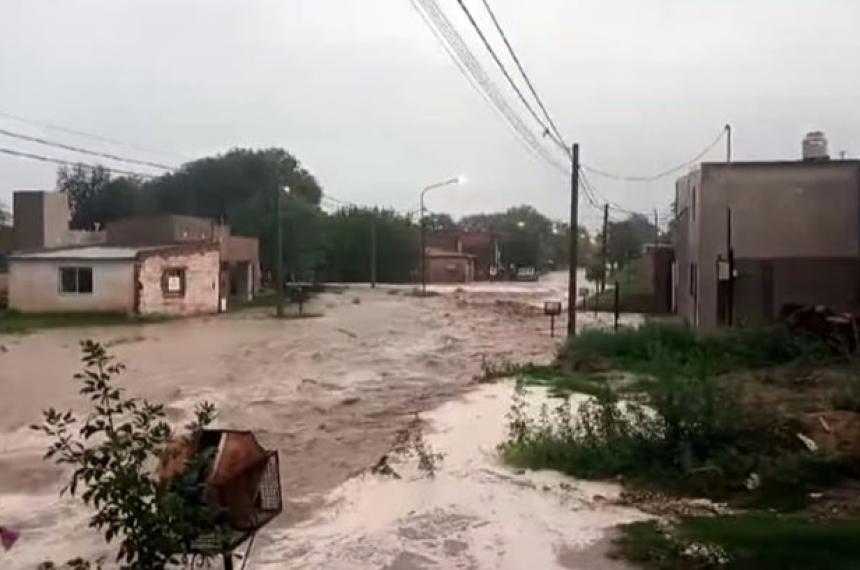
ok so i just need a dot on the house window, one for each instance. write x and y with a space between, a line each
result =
173 282
76 280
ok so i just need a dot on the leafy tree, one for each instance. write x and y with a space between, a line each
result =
215 187
348 245
627 239
528 238
439 222
110 452
85 187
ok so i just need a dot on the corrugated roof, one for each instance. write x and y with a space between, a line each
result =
92 252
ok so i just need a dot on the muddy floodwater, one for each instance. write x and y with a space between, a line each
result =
329 393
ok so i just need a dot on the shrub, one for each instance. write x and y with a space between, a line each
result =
635 349
688 433
111 453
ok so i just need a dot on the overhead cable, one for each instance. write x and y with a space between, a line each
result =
663 173
32 156
544 129
459 50
82 150
525 75
79 133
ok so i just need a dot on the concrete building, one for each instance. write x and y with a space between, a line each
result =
240 256
173 280
445 266
480 243
41 220
794 229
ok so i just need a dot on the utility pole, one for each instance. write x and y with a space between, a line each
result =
656 228
603 246
373 253
279 259
574 241
423 252
728 142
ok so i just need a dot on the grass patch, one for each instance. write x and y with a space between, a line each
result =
681 348
744 542
12 322
558 382
687 430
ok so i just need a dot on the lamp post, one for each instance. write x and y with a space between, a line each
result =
456 180
279 259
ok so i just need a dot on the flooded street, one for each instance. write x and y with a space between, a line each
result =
329 393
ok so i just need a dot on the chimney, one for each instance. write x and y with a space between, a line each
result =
815 146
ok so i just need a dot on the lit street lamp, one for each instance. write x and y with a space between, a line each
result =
457 180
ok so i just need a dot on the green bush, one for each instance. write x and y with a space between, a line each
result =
679 347
688 432
744 542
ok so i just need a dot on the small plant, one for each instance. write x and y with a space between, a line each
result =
111 451
410 442
493 370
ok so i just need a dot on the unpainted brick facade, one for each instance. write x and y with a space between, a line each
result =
199 268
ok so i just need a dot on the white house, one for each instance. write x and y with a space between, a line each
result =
180 279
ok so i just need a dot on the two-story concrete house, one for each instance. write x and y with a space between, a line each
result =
794 230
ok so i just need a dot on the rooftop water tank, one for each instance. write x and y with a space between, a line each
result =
815 146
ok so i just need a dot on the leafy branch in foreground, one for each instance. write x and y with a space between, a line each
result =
112 451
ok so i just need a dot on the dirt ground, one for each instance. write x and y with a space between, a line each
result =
329 393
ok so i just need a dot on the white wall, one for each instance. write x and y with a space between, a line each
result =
34 287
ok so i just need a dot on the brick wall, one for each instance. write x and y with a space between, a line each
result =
201 283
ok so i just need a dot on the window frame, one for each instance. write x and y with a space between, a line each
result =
165 276
77 269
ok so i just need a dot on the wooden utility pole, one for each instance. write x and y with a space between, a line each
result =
574 241
656 228
373 253
603 246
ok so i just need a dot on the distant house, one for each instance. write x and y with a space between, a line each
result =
483 245
240 256
443 266
41 223
793 228
153 280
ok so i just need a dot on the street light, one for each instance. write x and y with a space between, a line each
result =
521 224
279 260
456 180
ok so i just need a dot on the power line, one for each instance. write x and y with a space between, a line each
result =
82 150
85 134
524 74
20 154
544 129
457 48
663 173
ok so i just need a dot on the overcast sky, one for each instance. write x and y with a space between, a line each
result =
361 92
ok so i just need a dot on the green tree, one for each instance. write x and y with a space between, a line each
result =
349 234
528 238
439 222
627 239
85 188
111 451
